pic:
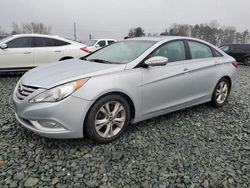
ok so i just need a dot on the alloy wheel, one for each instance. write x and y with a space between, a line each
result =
110 119
222 92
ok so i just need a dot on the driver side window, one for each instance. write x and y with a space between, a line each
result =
174 51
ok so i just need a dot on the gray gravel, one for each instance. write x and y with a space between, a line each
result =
197 147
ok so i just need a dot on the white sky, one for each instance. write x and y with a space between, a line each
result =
113 18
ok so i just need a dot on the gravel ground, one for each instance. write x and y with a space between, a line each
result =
197 147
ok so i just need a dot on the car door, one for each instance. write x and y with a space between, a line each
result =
183 81
18 54
46 50
166 86
203 70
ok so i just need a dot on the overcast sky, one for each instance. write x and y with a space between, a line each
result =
113 18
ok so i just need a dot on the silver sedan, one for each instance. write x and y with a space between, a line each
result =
126 82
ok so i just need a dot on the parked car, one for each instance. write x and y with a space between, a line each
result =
25 51
95 44
125 82
241 52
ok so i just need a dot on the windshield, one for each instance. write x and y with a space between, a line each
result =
4 38
224 48
90 42
120 52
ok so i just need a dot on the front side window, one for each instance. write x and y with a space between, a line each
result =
120 52
174 51
199 50
22 42
101 43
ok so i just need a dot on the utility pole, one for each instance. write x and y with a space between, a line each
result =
75 31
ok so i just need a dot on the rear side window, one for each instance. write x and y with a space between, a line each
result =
22 42
199 50
43 42
174 51
48 42
238 48
61 43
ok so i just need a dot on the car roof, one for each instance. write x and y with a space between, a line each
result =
235 45
40 35
43 35
162 38
102 39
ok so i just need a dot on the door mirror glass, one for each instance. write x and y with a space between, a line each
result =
3 46
156 61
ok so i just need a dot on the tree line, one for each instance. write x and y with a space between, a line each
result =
212 32
31 27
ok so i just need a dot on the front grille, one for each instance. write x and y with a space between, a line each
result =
24 91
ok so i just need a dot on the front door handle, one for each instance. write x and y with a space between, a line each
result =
58 51
185 70
27 52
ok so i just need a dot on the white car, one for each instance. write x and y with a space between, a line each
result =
25 51
95 44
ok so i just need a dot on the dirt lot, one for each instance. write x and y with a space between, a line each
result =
197 147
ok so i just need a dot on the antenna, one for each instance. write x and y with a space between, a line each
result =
75 30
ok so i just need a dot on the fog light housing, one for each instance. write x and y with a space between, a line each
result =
47 125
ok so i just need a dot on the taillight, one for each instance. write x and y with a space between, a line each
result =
85 49
235 64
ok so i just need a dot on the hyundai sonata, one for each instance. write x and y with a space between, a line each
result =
126 82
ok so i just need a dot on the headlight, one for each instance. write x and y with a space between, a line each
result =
60 92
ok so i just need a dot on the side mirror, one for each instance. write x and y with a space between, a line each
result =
156 61
3 46
97 45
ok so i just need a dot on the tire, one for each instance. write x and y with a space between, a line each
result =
107 118
221 93
247 61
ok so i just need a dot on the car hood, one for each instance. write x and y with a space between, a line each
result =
53 74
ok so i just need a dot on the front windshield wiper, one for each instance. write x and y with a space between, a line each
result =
100 61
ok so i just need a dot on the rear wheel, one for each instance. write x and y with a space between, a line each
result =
247 61
107 118
221 92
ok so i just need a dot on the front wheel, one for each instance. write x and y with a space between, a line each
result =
221 93
107 118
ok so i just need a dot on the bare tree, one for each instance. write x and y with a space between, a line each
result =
32 27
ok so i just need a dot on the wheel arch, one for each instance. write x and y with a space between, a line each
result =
120 93
229 80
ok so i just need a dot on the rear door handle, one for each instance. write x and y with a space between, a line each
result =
185 70
27 52
58 51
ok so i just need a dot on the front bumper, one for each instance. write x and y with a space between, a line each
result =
69 114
